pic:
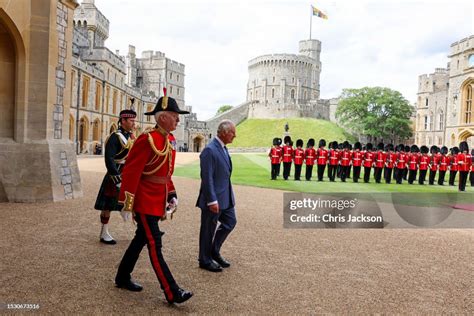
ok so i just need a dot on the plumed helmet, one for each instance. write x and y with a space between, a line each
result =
299 143
166 103
322 143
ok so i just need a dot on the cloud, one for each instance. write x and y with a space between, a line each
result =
364 43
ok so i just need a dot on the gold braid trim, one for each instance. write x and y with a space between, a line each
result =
128 203
165 153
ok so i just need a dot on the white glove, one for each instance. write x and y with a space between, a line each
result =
127 216
172 207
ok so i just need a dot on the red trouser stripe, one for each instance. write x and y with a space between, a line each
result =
154 258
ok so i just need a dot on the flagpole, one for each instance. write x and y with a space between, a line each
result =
310 21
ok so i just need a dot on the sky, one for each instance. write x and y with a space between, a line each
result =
364 43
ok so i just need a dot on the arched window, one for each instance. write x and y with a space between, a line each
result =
426 123
71 127
96 130
441 120
292 93
430 120
98 96
467 106
305 94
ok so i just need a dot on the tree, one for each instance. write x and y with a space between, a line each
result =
376 112
223 109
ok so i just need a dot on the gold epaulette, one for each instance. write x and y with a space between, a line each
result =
166 152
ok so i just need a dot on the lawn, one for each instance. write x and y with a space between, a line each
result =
260 132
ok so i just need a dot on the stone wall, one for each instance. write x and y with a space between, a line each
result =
236 115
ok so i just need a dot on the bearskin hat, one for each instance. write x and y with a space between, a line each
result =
310 142
424 149
444 150
380 146
346 145
275 141
357 145
463 147
369 146
299 143
322 143
335 145
455 150
407 148
414 148
287 139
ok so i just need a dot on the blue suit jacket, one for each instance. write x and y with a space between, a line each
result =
216 169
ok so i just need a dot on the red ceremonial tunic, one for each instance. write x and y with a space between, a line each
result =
443 163
464 162
380 158
401 160
146 177
413 160
434 161
275 155
322 155
287 153
424 161
310 156
357 158
298 156
333 157
346 156
368 159
454 163
391 159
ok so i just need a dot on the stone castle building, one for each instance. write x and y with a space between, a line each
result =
444 109
102 84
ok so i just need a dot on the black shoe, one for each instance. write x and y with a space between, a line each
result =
221 261
180 296
213 267
108 242
129 285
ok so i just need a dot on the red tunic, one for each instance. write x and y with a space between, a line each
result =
310 156
287 153
464 162
322 155
357 158
298 156
424 161
380 158
346 156
434 161
391 159
146 177
333 157
443 163
275 155
413 160
454 163
401 160
368 159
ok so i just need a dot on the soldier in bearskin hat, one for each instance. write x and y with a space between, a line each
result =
379 162
368 161
453 166
275 158
333 162
322 158
433 165
280 142
424 161
298 158
407 150
357 157
413 160
391 158
401 163
444 161
346 159
287 156
309 157
464 163
117 146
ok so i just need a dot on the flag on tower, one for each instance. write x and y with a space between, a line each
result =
319 13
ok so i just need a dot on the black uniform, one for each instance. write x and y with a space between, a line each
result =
117 146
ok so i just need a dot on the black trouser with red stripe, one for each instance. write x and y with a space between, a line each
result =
462 180
367 174
286 170
275 170
147 233
452 177
298 171
432 176
412 175
388 174
321 172
378 174
356 174
332 172
309 172
344 173
422 177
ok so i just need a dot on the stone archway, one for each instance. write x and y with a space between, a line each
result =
83 133
113 128
198 143
467 136
7 81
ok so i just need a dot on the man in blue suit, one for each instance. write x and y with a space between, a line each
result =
216 199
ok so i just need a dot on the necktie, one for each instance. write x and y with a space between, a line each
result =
228 156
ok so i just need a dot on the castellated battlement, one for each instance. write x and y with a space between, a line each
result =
462 45
435 82
281 60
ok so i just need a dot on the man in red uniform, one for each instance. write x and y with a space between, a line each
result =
471 175
464 163
357 156
346 159
424 162
379 162
443 164
322 157
333 157
287 156
368 161
453 167
413 160
275 158
391 157
400 164
147 191
309 157
298 158
434 161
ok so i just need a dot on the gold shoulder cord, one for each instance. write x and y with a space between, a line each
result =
167 151
126 146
